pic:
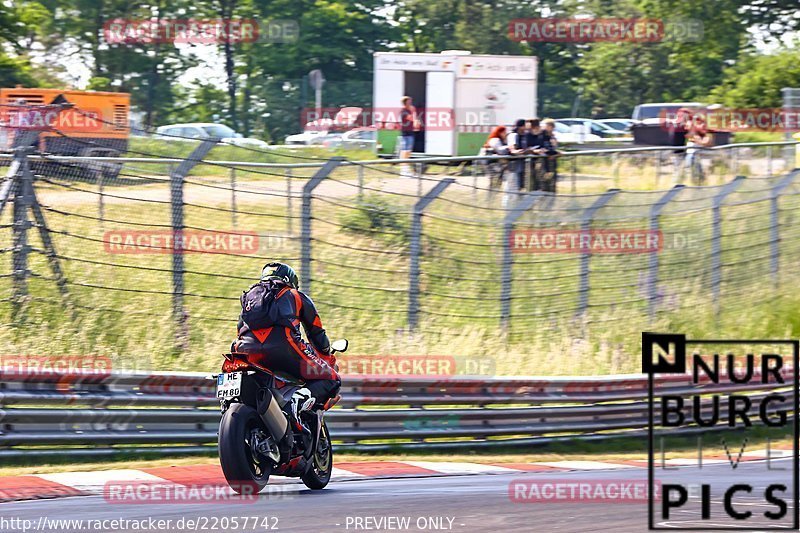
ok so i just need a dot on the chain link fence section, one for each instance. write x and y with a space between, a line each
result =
154 252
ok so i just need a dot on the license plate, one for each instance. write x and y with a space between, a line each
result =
229 385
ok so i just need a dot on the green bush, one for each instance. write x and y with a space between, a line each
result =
376 217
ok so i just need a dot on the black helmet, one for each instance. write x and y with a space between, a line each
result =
280 272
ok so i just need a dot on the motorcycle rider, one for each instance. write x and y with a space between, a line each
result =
280 345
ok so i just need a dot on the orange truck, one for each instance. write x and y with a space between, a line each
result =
72 123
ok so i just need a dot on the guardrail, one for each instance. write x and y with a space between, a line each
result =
177 413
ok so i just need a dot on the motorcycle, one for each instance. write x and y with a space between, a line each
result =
256 436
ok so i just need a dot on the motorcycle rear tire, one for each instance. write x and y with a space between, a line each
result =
243 473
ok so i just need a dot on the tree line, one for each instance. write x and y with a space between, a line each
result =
44 42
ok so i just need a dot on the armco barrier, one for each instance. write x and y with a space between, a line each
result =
169 413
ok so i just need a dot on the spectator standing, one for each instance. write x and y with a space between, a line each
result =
496 144
697 139
517 145
409 125
551 150
678 128
535 140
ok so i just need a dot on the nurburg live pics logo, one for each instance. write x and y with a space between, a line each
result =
720 394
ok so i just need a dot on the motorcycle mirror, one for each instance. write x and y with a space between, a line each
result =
339 345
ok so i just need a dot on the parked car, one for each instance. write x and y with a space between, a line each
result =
358 138
654 124
205 130
656 113
594 127
619 124
313 136
330 140
574 134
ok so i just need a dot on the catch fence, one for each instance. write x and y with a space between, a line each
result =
90 253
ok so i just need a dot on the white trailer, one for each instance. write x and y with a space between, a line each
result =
482 91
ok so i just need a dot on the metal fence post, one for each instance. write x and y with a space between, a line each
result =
20 247
774 231
530 168
716 238
305 222
416 248
233 196
586 225
176 199
289 221
360 182
652 276
475 180
659 163
18 187
574 171
506 278
101 205
769 160
791 103
10 185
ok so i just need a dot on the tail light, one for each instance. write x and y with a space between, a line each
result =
234 365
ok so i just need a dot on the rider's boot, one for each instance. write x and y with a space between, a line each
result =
302 400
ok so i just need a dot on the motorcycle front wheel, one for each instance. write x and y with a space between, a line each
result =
245 472
319 474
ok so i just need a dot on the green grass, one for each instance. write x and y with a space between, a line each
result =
148 147
227 152
758 137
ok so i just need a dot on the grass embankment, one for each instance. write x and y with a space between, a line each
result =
228 152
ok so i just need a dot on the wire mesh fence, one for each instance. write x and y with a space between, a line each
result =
153 253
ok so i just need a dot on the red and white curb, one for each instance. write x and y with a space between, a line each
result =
62 484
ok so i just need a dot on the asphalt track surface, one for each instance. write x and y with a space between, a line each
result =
450 503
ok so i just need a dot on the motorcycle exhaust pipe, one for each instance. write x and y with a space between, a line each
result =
271 414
